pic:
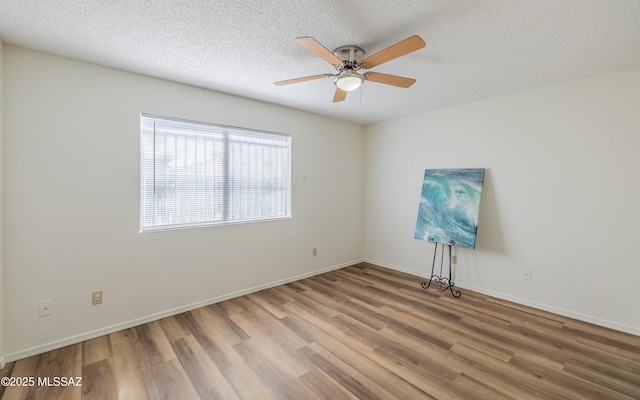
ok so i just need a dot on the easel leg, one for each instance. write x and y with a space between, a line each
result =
451 284
433 266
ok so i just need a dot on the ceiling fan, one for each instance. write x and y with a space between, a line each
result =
347 60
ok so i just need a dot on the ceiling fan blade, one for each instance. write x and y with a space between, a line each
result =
339 96
399 49
304 79
387 79
313 46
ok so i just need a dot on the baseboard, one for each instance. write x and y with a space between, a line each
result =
164 314
2 362
540 306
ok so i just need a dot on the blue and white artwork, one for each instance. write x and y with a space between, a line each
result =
449 206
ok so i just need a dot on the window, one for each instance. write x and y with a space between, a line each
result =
197 174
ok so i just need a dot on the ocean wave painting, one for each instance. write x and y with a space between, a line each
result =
449 206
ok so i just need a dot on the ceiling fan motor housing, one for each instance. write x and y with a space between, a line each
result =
348 79
349 54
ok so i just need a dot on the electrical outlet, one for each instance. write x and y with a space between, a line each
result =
315 252
454 259
526 274
45 308
96 298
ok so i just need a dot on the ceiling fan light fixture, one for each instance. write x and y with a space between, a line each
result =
349 82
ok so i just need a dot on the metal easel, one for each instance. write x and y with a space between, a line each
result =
445 282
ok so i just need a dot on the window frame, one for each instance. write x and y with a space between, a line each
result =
226 131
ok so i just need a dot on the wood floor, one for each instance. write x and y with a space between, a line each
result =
362 332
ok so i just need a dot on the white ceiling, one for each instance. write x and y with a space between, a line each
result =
475 48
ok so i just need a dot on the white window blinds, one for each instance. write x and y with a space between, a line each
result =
197 174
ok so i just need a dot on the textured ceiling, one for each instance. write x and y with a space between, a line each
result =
475 48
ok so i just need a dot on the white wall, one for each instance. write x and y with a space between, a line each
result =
1 224
71 204
561 194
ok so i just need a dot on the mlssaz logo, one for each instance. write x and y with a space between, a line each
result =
59 381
